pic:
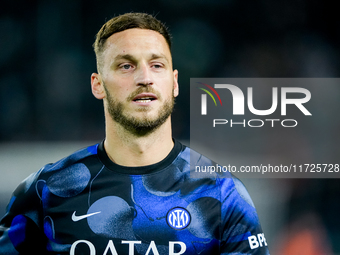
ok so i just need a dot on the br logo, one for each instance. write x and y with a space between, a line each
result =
178 218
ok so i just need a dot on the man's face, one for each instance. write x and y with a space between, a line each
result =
139 82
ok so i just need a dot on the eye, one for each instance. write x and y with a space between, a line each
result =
157 65
126 66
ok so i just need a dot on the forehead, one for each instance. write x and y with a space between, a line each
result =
136 40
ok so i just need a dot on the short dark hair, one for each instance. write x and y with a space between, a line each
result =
128 21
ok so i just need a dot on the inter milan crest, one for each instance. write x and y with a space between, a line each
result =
178 218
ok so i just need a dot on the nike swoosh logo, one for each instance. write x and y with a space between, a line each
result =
78 218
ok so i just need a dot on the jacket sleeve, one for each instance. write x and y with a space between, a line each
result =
21 229
241 230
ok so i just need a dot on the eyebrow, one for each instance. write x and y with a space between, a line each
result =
133 59
125 57
157 56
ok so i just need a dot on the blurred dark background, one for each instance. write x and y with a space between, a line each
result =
46 55
46 59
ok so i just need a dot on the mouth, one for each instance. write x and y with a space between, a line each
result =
144 98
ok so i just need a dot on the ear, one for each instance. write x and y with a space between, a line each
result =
176 88
97 86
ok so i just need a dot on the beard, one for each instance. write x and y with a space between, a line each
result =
143 125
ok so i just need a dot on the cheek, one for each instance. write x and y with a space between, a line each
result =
117 88
169 93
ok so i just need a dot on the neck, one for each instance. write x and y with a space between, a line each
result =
127 149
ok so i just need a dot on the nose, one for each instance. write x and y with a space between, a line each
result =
143 76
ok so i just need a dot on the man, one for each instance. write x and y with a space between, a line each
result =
132 193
